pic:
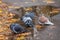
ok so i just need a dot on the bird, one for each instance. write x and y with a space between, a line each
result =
27 19
17 28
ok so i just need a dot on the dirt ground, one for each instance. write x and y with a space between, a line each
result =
50 32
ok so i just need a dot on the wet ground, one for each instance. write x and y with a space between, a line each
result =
50 32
